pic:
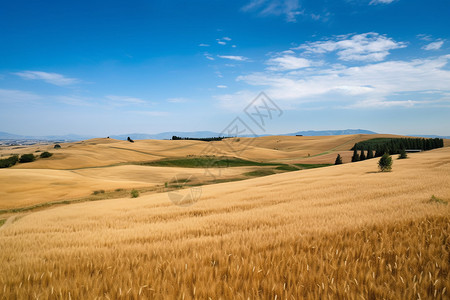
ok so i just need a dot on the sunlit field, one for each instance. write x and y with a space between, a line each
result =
338 232
78 169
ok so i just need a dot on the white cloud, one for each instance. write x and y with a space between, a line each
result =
374 103
424 37
221 86
290 9
203 45
374 2
208 56
287 62
17 96
52 78
226 38
221 42
434 46
361 86
369 46
177 100
233 57
73 100
235 102
125 100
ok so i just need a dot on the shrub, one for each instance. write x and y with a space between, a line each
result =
134 193
57 146
435 199
338 160
9 162
46 154
402 154
26 158
385 163
98 192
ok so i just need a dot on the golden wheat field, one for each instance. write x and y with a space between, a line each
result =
80 168
339 232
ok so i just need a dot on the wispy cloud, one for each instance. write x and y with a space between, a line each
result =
203 45
221 42
424 37
177 100
287 62
52 78
208 56
290 9
221 86
74 100
369 46
236 101
125 100
17 96
433 46
375 2
233 57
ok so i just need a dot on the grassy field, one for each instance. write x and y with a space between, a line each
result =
206 162
340 232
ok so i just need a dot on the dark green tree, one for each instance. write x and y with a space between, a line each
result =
338 160
385 163
25 158
362 156
369 152
46 154
9 162
355 156
402 154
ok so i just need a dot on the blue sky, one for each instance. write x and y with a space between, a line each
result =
112 67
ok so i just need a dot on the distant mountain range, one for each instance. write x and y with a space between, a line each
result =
194 134
67 137
332 132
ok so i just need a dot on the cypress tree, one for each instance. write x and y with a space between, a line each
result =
338 160
369 152
362 156
378 151
355 156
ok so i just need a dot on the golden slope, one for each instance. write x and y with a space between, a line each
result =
345 231
104 152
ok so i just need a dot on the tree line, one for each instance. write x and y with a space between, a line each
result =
383 147
209 139
397 145
24 158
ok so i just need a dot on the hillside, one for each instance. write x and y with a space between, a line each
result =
344 231
78 169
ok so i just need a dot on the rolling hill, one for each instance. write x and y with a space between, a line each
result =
344 231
